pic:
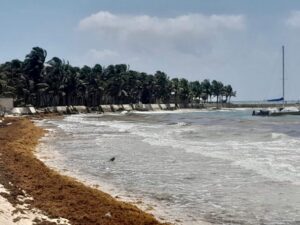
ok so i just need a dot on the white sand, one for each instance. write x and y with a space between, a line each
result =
20 214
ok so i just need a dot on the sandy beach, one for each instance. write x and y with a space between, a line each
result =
31 193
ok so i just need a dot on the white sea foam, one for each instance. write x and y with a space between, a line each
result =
204 168
177 111
278 135
271 169
232 150
180 124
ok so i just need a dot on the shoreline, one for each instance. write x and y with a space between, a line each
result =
44 153
56 195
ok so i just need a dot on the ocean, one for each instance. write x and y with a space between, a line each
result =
222 167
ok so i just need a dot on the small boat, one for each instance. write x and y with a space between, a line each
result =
278 111
286 111
261 112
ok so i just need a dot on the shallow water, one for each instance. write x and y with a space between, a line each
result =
225 167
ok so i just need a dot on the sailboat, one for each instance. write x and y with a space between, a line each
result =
283 110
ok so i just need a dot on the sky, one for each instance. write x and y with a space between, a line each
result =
237 42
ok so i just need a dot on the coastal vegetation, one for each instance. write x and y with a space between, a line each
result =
42 83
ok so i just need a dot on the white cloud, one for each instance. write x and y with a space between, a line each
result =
293 20
102 54
190 23
186 33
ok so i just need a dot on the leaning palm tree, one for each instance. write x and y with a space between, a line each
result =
33 67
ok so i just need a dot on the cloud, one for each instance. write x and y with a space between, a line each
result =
186 33
190 23
103 54
293 20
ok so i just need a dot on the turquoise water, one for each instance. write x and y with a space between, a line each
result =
224 167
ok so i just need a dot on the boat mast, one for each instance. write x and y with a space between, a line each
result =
283 79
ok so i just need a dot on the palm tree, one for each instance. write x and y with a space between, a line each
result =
227 90
217 87
162 89
195 89
58 83
98 84
148 88
116 83
132 86
175 90
8 78
206 87
54 77
33 67
184 91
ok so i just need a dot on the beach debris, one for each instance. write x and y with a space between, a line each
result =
108 215
112 159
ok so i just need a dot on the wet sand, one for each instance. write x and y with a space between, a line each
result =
55 195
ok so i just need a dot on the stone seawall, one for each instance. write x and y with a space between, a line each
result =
137 107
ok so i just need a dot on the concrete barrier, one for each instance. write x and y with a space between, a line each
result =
80 108
138 107
31 110
182 106
116 108
155 107
23 110
127 107
147 107
113 108
172 106
105 108
61 109
163 106
50 109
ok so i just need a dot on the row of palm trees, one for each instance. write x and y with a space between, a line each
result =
55 82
